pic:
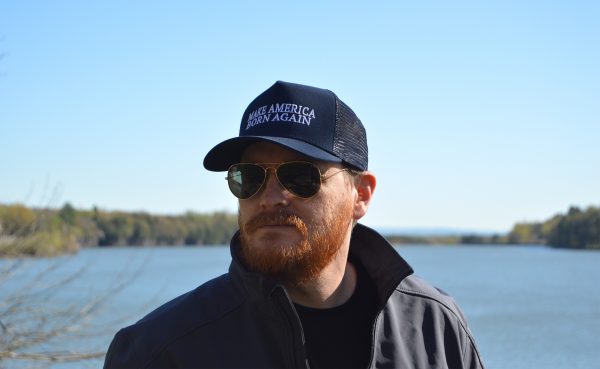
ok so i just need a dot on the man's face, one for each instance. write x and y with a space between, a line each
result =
289 238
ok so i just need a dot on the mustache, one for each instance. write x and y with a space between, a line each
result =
275 218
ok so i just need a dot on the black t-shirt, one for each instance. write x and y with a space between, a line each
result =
340 337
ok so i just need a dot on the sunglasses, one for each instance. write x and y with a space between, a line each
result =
300 178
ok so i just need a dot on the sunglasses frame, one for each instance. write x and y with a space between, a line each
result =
275 166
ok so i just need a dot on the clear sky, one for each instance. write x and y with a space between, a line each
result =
479 114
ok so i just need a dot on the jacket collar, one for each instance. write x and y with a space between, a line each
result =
385 266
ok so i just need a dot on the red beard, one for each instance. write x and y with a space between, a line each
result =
294 262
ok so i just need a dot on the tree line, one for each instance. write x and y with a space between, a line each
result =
577 229
40 232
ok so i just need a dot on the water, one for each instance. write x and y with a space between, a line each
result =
528 307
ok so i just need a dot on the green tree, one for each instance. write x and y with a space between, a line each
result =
16 220
68 214
526 233
141 232
577 229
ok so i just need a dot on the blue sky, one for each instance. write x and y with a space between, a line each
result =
478 114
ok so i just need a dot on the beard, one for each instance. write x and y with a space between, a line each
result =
293 262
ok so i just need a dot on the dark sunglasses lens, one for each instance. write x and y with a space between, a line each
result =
245 179
301 179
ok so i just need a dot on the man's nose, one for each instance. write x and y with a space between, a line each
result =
273 194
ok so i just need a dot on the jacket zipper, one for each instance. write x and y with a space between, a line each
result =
373 338
290 312
379 313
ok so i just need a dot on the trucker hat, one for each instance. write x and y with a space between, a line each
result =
306 119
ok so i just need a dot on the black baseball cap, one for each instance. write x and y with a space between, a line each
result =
309 120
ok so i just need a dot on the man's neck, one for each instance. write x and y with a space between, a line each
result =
333 287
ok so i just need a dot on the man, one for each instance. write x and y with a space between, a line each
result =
307 285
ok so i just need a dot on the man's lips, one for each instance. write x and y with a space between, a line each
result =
276 225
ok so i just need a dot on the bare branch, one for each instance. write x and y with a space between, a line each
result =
31 321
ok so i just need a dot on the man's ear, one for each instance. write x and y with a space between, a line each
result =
365 186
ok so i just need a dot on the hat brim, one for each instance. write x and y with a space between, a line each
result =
229 152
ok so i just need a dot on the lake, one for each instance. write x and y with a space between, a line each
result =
528 306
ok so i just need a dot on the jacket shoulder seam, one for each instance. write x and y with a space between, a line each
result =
458 318
430 297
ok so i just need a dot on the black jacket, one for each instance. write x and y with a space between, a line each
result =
243 320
